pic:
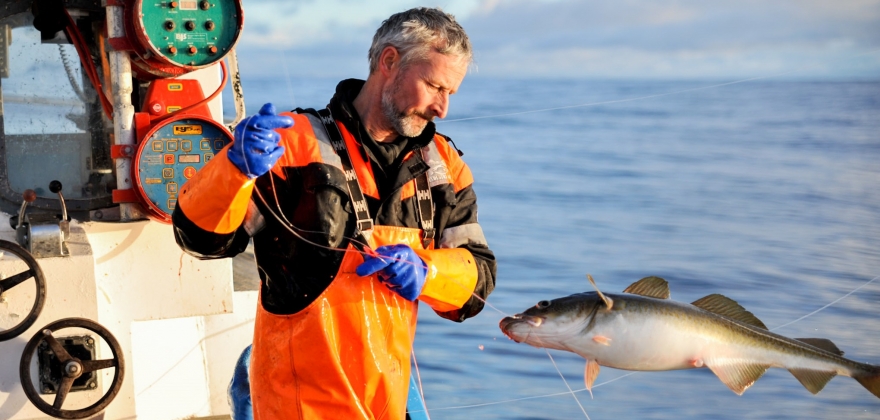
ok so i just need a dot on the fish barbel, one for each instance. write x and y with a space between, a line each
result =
643 330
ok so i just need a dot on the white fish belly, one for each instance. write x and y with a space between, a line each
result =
636 342
642 343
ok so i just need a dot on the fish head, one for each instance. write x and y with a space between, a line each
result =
550 323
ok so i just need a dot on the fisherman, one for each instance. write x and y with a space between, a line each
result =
357 212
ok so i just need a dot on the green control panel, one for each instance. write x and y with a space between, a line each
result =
193 33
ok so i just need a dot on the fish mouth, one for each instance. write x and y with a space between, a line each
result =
509 324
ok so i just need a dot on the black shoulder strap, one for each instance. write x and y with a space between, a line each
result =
424 202
425 206
358 202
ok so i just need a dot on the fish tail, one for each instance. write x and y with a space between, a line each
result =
871 381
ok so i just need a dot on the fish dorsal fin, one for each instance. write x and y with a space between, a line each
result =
727 307
813 380
822 343
738 376
652 286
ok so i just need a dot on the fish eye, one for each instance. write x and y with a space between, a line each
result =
543 304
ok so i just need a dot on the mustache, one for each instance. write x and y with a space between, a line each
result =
421 115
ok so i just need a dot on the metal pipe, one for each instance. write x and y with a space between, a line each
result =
123 111
21 213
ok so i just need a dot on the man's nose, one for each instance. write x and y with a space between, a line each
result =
441 105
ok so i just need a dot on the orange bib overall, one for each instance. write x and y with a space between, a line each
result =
345 356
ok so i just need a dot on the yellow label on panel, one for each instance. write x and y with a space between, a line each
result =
172 108
175 87
154 180
184 130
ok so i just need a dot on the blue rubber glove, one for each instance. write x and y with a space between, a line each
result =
399 268
255 149
239 392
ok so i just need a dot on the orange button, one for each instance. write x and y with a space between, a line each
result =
169 158
188 172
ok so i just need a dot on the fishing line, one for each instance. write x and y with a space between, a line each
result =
558 394
287 75
570 392
566 384
291 228
275 194
615 101
822 308
419 381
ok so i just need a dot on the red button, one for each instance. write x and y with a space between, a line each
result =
169 159
156 108
188 172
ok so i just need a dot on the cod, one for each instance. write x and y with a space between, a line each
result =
643 330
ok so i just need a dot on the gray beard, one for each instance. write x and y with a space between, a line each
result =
405 125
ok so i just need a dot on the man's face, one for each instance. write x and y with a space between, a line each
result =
420 92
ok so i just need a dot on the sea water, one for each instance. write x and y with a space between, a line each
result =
765 191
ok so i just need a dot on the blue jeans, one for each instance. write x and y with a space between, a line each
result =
239 392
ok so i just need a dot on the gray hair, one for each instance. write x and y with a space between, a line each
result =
416 32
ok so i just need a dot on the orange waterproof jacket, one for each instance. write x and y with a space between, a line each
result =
312 307
220 210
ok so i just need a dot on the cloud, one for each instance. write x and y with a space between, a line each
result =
679 24
672 39
311 22
592 38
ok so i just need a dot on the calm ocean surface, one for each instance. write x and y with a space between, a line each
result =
766 192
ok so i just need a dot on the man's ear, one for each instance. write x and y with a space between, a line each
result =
389 61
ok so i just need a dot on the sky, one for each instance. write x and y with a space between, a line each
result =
602 39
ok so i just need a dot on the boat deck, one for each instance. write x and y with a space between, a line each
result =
244 271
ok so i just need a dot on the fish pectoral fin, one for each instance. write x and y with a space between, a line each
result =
601 339
738 376
591 372
813 380
652 286
727 307
822 343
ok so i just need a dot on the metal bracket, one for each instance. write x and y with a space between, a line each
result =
50 371
42 240
43 235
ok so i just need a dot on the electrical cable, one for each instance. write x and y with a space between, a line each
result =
76 38
199 103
